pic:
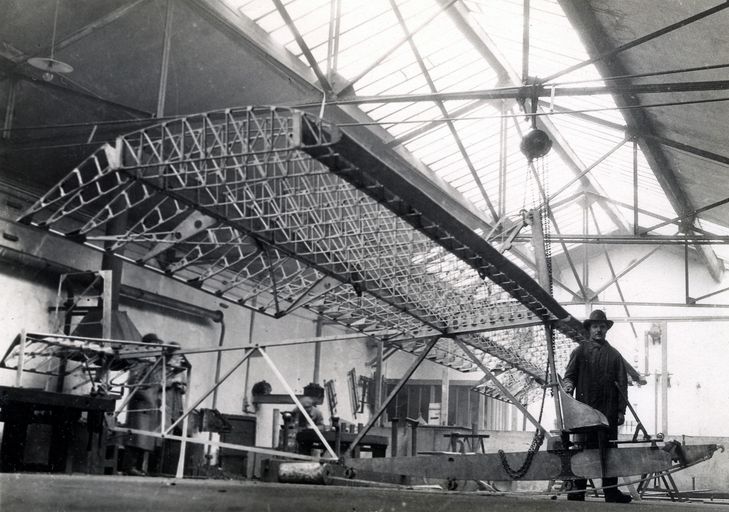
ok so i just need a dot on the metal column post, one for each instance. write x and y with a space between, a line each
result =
378 377
183 441
664 378
164 66
635 187
525 45
317 349
687 297
111 279
444 389
585 248
10 107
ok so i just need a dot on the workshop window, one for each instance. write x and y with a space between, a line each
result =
413 400
463 406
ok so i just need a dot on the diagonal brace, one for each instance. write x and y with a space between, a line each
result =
502 388
293 396
390 397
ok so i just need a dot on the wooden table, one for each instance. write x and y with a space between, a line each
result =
457 437
307 440
21 407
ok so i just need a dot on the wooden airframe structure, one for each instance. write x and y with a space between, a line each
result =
275 209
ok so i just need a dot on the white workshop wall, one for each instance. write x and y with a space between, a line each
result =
25 295
698 352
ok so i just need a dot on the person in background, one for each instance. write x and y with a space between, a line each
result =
144 407
176 385
300 421
141 413
298 435
597 373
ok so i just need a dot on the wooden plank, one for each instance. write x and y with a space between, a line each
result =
274 398
621 462
545 465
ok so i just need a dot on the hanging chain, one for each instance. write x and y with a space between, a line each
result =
537 441
546 223
516 474
539 435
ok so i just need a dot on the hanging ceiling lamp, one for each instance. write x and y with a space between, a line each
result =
49 65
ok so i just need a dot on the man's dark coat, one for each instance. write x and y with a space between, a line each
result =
594 368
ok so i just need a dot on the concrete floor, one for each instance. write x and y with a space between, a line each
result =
75 493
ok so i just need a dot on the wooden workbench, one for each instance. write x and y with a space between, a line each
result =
23 407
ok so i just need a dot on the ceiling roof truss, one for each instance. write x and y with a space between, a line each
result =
444 112
615 279
485 46
638 122
323 81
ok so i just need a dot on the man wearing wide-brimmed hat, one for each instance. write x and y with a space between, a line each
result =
592 372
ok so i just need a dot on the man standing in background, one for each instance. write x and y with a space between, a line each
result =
597 373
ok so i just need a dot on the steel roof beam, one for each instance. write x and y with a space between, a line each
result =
580 115
681 318
653 304
562 147
611 53
480 40
323 81
243 28
425 128
444 112
89 28
708 155
553 220
597 43
349 86
678 239
625 271
688 215
335 18
643 211
615 278
518 92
